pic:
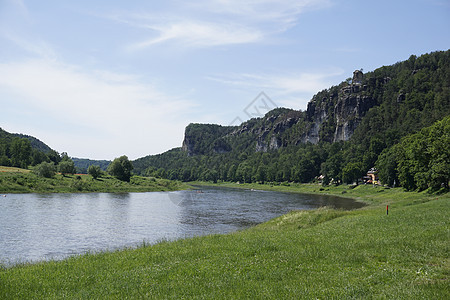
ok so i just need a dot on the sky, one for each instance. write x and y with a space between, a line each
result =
100 79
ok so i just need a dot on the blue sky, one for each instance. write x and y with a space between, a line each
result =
99 79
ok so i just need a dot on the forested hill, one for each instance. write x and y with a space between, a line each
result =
34 142
341 134
21 150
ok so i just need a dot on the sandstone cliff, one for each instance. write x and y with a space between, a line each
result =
332 115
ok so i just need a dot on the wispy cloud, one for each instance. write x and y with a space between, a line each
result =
218 22
280 11
123 109
16 27
199 34
288 89
32 45
288 83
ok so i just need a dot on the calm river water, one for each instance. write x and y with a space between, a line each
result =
36 227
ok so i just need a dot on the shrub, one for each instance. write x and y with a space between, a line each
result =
94 171
45 169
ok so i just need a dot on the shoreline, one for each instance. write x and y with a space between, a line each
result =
27 182
342 191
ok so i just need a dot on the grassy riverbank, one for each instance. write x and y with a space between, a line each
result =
370 194
321 254
15 180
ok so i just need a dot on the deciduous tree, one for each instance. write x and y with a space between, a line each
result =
94 171
121 168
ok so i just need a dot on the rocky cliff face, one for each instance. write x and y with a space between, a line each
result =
204 138
188 145
316 115
350 108
331 116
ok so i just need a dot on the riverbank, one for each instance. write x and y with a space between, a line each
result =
15 180
371 195
323 253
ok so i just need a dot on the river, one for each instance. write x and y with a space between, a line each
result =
36 227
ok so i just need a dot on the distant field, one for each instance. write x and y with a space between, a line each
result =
13 170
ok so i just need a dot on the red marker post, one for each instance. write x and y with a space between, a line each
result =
387 209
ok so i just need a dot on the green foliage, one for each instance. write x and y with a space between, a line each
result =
34 142
5 161
23 181
94 171
66 167
387 166
82 164
352 172
45 169
121 168
205 138
424 158
20 150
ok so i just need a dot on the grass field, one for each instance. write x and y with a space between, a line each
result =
15 180
319 254
13 170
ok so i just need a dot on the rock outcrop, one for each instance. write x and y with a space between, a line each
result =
332 115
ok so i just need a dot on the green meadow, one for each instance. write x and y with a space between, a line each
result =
16 180
318 254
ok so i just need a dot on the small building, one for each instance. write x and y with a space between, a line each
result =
371 177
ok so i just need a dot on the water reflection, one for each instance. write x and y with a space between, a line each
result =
53 226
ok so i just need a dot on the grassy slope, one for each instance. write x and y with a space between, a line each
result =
310 254
13 170
23 181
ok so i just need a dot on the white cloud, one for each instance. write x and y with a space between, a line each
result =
32 45
199 34
219 22
281 11
131 117
286 89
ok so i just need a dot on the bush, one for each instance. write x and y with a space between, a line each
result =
45 169
94 171
66 167
121 168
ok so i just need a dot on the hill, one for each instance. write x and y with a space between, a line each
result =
340 136
35 143
19 150
82 164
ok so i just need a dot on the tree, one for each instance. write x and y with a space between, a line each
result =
20 152
261 173
37 157
45 169
352 172
54 156
424 158
387 166
66 167
121 168
94 171
4 161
